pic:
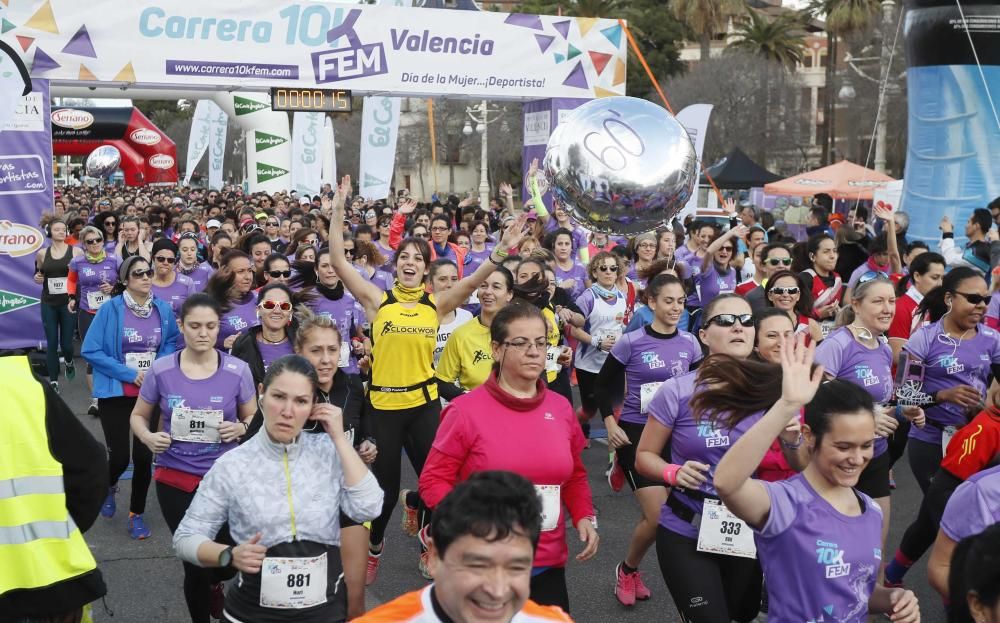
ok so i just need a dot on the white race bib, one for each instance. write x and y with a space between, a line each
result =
946 435
57 285
552 359
646 393
139 362
722 532
345 355
826 326
95 299
551 504
195 425
349 435
293 583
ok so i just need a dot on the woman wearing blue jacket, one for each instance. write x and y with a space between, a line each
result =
128 333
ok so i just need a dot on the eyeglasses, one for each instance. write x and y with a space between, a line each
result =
270 305
608 268
139 274
163 259
440 229
789 290
778 261
110 222
872 275
93 241
524 345
727 320
647 245
275 274
976 299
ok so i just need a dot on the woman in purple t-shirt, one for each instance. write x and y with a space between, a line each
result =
206 400
717 275
232 286
818 539
571 276
640 362
706 587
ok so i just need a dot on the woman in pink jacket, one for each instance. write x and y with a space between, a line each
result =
513 422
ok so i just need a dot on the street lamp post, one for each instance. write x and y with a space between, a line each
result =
482 115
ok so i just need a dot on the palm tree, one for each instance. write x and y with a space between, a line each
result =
779 39
706 18
842 18
776 41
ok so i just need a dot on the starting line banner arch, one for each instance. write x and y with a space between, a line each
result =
257 44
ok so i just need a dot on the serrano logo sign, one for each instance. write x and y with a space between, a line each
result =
145 136
18 239
161 161
72 118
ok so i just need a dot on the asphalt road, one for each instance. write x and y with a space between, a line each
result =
145 579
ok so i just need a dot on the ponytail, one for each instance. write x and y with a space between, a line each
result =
934 302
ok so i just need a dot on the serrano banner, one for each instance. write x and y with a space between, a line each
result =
25 193
257 44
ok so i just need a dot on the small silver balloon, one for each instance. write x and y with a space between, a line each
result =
621 165
103 161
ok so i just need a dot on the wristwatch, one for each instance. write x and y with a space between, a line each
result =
226 557
593 520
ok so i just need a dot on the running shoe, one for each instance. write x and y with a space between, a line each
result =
70 370
109 506
892 480
410 519
55 386
374 560
92 410
217 601
624 586
641 590
422 566
137 528
616 475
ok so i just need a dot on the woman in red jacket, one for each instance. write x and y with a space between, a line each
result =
513 422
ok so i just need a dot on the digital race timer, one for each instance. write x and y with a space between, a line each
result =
310 100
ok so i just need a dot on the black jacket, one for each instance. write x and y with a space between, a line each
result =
85 478
245 347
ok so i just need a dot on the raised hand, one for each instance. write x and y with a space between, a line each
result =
798 381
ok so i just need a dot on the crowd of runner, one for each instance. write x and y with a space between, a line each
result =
267 361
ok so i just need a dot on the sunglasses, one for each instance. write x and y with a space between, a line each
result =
975 299
419 235
269 305
727 320
782 290
872 275
346 251
779 261
613 268
110 222
139 274
164 259
726 249
279 273
93 241
272 223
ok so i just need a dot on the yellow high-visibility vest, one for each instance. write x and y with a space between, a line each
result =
40 545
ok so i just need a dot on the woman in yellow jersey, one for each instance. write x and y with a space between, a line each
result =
467 358
402 396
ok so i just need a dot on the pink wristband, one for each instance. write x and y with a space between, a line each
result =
670 474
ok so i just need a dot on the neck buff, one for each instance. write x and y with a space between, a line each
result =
142 311
96 259
513 402
605 293
334 294
407 295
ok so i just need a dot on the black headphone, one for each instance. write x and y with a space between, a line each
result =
48 230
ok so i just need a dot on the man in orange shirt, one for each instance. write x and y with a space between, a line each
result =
483 539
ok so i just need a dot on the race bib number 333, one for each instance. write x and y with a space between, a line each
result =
722 532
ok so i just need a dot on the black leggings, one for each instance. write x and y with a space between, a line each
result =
897 441
920 534
412 430
548 588
83 322
115 414
925 459
708 588
589 403
198 581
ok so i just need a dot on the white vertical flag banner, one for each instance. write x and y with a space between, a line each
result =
201 126
379 131
217 156
694 118
328 174
307 142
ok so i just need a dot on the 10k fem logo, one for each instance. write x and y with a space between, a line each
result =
355 61
830 555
